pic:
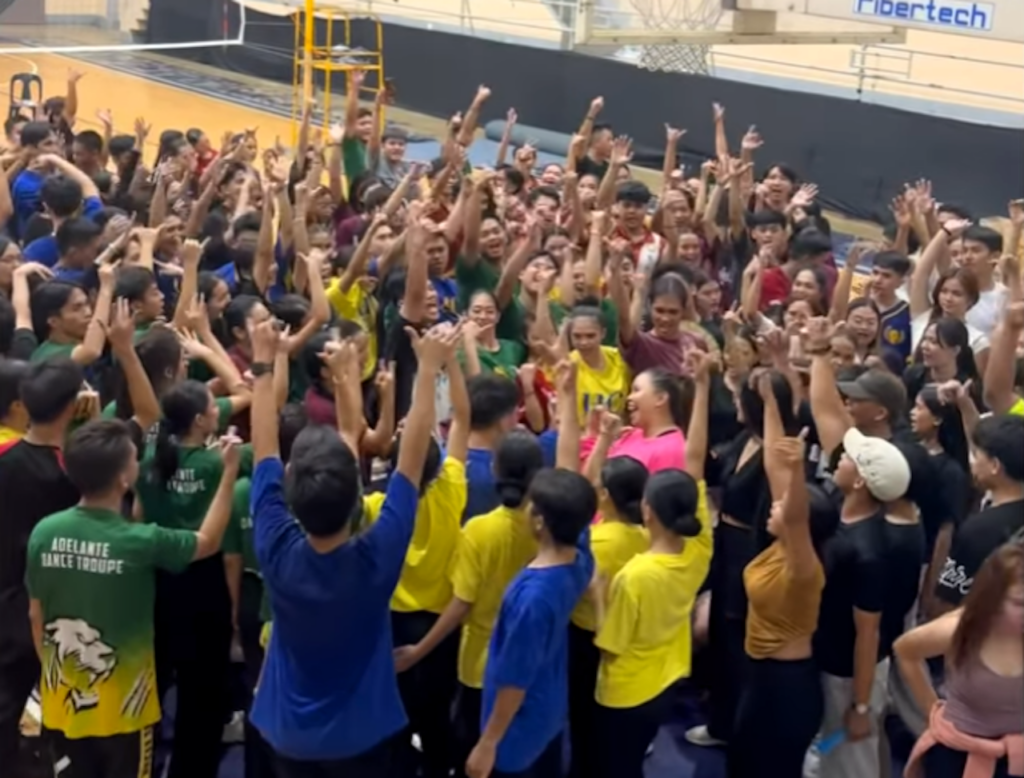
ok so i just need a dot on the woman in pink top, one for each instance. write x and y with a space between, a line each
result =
976 732
656 407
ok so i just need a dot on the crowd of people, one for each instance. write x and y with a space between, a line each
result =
441 470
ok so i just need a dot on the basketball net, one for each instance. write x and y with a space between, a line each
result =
678 15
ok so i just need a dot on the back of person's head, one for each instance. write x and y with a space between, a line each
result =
292 420
76 233
121 144
61 195
90 140
893 261
159 352
50 388
564 501
34 133
133 282
624 479
181 405
431 466
956 211
671 498
809 244
12 373
493 400
517 459
752 404
322 481
292 309
101 457
992 601
998 448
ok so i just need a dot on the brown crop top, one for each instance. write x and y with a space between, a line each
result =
781 608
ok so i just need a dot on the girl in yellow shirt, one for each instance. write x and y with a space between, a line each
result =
491 550
644 637
619 536
602 377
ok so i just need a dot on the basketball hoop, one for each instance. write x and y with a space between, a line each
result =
677 15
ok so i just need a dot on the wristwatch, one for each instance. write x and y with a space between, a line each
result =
861 709
261 368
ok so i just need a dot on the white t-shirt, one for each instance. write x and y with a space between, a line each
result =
977 339
985 314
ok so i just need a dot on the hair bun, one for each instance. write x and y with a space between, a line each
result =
511 493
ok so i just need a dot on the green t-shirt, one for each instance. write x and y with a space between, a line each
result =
353 156
92 571
48 349
484 275
509 356
183 501
609 317
239 532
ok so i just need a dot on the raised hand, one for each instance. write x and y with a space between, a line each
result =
230 448
672 134
436 346
264 338
817 334
751 139
121 330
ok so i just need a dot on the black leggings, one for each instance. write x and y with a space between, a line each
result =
378 762
193 650
427 690
779 713
727 617
584 659
468 707
942 762
623 735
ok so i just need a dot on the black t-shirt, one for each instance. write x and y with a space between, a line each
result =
854 561
33 485
585 166
922 491
953 483
398 349
904 557
973 542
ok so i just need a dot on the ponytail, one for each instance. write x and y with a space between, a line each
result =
517 460
674 498
181 405
165 454
624 478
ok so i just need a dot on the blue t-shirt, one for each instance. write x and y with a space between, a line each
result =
481 490
447 293
44 250
895 331
26 195
529 650
328 689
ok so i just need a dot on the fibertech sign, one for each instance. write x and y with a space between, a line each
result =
958 15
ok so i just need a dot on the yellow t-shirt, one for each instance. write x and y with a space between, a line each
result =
358 306
492 549
608 387
645 640
425 584
8 435
613 544
1017 409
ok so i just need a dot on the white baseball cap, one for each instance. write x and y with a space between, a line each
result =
882 466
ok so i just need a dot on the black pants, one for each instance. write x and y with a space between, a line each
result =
468 706
734 548
117 756
943 762
623 735
19 672
259 754
547 765
779 714
193 645
378 762
428 690
584 659
250 626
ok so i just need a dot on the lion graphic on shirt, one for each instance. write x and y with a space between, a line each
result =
79 663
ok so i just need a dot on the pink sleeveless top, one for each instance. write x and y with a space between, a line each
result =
981 703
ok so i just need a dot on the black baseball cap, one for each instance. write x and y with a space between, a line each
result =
878 386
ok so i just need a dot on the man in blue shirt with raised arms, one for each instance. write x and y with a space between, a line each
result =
328 699
526 682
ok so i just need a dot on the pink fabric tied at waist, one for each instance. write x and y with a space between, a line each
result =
982 753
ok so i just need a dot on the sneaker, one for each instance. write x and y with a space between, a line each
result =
234 730
417 743
700 736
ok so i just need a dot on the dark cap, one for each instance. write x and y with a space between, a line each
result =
878 386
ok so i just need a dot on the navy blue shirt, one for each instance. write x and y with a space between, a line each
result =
26 194
45 249
329 689
481 490
529 650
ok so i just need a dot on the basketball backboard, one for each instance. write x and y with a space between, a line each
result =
688 22
1001 20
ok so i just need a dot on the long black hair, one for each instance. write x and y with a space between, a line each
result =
180 405
624 478
517 460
